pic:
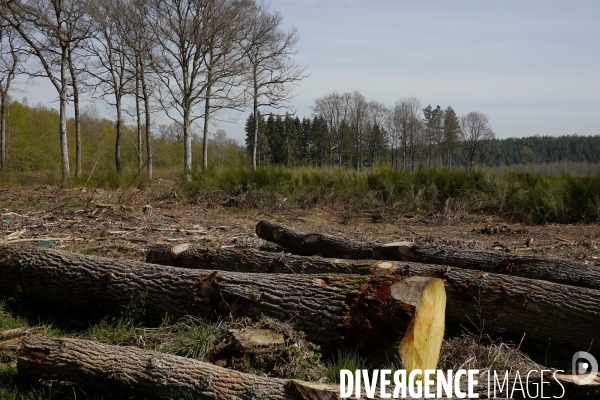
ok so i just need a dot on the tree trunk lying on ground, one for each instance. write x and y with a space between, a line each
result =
186 255
318 244
542 310
159 375
550 269
373 312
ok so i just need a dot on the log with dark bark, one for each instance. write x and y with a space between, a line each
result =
551 269
186 255
373 312
541 310
318 244
158 375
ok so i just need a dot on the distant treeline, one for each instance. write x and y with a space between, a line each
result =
286 140
544 149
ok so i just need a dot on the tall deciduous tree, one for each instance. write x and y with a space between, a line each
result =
406 128
110 67
476 133
141 47
334 108
271 71
51 28
180 31
11 58
224 20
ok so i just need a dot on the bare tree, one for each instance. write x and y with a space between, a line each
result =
11 59
140 52
359 123
406 128
220 141
271 71
179 30
476 133
224 20
77 71
378 140
50 28
109 66
334 108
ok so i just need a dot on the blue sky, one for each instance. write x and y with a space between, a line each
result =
532 66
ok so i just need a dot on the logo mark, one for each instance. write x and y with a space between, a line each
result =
582 363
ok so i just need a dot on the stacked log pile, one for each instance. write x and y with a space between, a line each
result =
541 310
338 292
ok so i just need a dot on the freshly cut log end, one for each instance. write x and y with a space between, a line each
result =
421 345
178 249
331 309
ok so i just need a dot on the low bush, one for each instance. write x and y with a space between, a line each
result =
525 197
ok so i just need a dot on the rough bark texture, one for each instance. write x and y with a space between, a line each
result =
331 309
550 269
145 372
542 310
251 260
324 245
160 375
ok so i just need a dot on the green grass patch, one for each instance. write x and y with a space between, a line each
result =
193 337
526 197
345 359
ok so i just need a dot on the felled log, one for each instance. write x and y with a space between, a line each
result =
161 376
373 312
541 310
303 244
158 375
186 255
11 333
550 269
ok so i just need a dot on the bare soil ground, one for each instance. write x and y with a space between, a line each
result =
125 222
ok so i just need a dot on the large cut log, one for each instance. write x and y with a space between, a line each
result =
552 269
186 255
373 312
158 375
542 310
164 376
303 244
